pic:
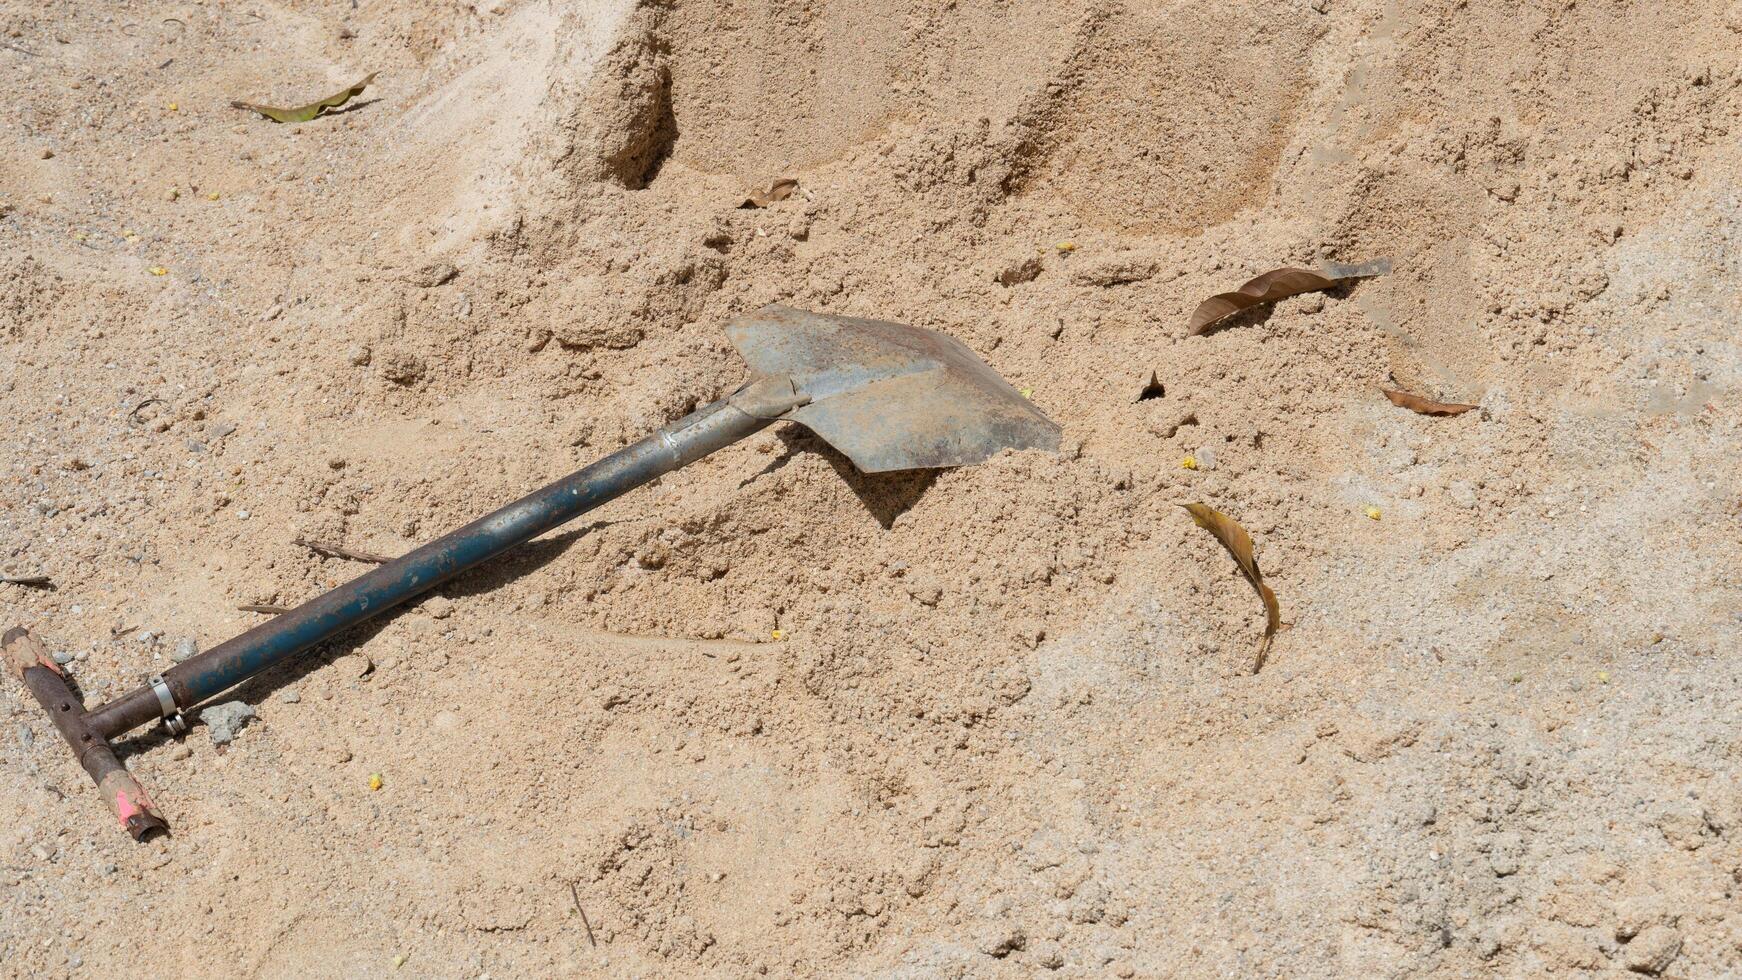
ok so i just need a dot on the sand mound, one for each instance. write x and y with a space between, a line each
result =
773 716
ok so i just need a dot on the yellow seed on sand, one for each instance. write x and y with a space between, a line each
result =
1026 392
1190 462
1066 246
213 196
173 107
374 781
399 961
158 270
1603 675
1372 512
778 634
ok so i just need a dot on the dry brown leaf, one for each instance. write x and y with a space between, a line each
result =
306 113
1278 284
1425 406
1239 545
780 190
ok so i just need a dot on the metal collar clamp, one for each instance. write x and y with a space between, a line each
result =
172 716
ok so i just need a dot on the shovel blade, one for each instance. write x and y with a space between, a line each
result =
887 395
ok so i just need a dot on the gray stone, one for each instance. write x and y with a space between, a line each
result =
1461 494
289 696
187 649
62 656
1000 939
1050 956
1653 950
223 721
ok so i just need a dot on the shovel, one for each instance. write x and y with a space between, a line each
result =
887 395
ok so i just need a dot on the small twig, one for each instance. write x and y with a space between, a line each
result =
338 551
576 892
14 47
256 607
39 581
133 415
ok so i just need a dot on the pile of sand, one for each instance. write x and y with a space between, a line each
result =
774 716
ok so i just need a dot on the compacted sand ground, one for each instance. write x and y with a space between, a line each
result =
771 716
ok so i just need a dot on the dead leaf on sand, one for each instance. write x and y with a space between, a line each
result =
1239 545
307 112
780 190
1424 406
1279 284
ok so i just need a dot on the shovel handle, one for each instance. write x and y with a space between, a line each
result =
709 428
126 799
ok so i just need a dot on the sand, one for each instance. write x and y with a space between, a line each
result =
774 717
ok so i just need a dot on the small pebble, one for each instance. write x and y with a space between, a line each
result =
433 275
62 657
289 696
1653 950
186 649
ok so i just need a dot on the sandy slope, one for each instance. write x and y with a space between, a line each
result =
1007 725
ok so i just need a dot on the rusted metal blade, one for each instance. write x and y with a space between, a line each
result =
890 396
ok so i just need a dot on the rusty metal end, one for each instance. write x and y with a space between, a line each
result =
127 800
22 651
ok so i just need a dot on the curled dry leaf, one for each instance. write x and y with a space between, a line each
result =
310 111
780 190
1424 406
1279 284
1239 545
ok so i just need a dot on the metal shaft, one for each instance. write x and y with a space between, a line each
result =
703 431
